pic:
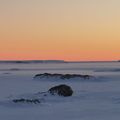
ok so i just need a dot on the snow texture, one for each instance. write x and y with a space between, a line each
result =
97 99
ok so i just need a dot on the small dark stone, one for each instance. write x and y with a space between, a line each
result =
62 90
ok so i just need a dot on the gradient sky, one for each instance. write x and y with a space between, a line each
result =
60 29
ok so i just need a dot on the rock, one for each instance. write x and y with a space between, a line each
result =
62 76
38 98
22 100
61 90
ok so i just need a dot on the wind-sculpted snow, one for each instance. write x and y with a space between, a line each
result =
40 97
29 100
108 70
96 97
62 76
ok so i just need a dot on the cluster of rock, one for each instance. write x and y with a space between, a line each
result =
23 100
62 76
60 90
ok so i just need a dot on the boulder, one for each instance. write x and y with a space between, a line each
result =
61 90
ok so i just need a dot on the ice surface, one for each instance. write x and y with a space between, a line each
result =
92 100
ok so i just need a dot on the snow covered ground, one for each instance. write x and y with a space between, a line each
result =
97 99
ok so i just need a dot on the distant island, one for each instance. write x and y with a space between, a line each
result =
48 61
33 61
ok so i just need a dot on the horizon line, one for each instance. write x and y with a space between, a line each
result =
37 60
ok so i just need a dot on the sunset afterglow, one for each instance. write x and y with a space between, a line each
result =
74 30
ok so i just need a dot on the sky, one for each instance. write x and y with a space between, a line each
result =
74 30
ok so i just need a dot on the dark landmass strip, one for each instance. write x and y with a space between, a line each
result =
50 61
33 61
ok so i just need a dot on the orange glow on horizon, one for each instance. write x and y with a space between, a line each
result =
60 30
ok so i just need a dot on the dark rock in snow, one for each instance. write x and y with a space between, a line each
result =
63 76
22 100
61 90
